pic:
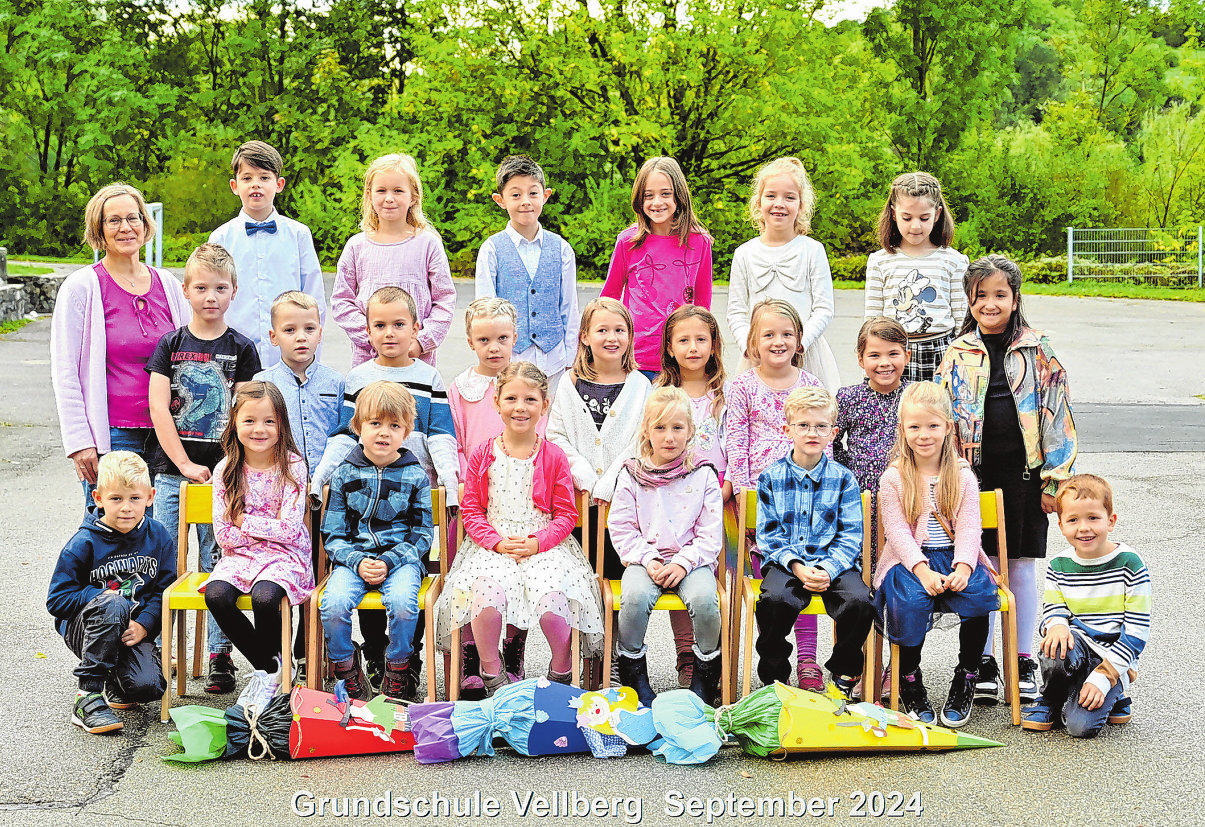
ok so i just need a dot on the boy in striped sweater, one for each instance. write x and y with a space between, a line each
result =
1096 617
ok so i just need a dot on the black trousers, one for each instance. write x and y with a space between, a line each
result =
783 596
259 643
135 673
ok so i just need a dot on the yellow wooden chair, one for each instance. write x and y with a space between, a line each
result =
196 508
427 592
452 660
747 589
612 594
991 515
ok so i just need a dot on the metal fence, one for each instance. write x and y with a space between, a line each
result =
1170 257
154 245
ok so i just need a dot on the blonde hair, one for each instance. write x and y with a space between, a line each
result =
385 400
684 221
122 469
671 371
660 405
809 399
1084 487
213 257
915 185
298 299
521 370
583 364
489 308
776 307
392 295
807 195
94 214
370 221
932 398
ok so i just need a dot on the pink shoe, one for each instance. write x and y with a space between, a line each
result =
810 676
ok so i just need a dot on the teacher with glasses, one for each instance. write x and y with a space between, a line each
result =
108 317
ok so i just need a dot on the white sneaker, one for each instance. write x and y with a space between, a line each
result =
269 688
254 688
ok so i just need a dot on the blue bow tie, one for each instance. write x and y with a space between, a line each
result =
254 227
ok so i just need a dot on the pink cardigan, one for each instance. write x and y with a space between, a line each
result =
681 522
904 540
78 353
552 493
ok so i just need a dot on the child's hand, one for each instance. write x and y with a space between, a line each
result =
1090 696
671 575
1057 641
134 634
957 581
372 572
315 502
195 473
933 583
654 569
1048 503
416 350
813 579
237 522
726 490
524 547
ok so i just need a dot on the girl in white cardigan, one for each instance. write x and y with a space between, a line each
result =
784 262
597 409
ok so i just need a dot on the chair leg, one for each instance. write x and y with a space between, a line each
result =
608 621
429 641
725 651
747 643
181 654
452 676
577 657
315 650
876 667
198 643
286 645
166 701
734 637
895 677
1012 677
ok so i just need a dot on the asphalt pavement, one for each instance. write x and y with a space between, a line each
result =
1136 385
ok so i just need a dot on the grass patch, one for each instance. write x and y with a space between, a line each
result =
28 270
13 326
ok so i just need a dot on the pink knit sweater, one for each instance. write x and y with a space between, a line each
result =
904 539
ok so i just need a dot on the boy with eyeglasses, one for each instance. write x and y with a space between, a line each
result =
809 531
271 252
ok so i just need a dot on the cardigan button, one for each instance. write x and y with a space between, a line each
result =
598 441
598 470
612 413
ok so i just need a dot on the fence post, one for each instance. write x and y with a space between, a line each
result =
1070 245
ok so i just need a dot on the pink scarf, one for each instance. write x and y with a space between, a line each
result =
651 476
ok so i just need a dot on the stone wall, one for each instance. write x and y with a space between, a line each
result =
40 291
13 302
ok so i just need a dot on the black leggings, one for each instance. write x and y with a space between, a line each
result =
972 637
259 644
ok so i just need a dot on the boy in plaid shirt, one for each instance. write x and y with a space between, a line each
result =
809 529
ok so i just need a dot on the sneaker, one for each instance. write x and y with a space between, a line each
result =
1040 717
885 692
914 699
957 710
221 674
401 682
565 678
114 700
686 668
374 672
513 651
494 682
987 685
843 685
251 692
811 677
354 682
1122 711
1027 680
471 687
92 714
269 688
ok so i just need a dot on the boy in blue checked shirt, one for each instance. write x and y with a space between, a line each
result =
273 253
809 529
378 531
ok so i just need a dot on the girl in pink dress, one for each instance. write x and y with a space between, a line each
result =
661 262
755 429
398 248
259 510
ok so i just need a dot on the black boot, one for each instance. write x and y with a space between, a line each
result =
512 654
634 673
705 682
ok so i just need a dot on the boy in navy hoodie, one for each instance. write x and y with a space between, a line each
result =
107 595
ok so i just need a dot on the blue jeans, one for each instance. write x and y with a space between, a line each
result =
121 439
697 590
344 591
1062 679
167 501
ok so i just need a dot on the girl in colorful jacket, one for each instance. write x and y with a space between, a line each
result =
1014 425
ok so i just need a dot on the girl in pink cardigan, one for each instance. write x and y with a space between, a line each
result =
933 561
519 565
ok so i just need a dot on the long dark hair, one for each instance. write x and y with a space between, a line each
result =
233 477
982 268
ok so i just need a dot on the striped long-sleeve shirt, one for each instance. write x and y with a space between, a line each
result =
1108 600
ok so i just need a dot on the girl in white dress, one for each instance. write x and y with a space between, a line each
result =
784 262
518 565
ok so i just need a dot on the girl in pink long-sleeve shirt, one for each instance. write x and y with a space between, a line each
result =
398 248
661 262
667 524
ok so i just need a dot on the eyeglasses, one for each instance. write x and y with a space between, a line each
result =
818 430
115 222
